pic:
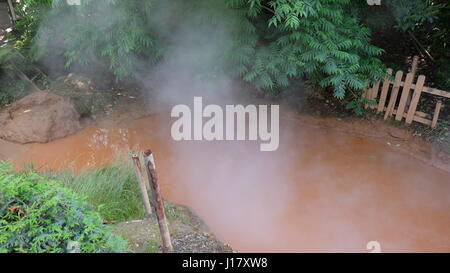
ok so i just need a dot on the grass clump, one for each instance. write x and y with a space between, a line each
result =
111 189
38 215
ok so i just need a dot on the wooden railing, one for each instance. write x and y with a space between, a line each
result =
403 104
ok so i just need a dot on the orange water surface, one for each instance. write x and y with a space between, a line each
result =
319 192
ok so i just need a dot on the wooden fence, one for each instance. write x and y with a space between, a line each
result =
404 96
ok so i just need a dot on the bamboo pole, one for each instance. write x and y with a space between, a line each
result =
160 214
11 10
143 188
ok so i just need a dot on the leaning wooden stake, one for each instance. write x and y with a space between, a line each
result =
142 186
13 13
415 99
160 214
24 77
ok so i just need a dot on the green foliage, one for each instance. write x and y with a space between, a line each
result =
427 20
272 42
412 14
404 15
31 13
10 90
38 215
6 54
118 33
443 73
112 190
317 39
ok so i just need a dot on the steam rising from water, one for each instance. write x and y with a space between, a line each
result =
198 57
318 192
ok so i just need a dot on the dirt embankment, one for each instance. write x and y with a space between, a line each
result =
39 117
187 235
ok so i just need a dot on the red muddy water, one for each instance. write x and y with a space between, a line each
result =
320 192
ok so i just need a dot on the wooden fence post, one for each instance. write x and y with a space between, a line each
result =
437 110
394 94
414 65
160 214
384 91
407 106
141 181
415 100
372 94
404 97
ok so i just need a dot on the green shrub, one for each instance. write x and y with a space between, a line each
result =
272 42
443 73
31 13
38 215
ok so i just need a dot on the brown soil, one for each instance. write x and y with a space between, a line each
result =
187 236
39 117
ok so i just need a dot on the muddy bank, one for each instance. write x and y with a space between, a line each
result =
187 236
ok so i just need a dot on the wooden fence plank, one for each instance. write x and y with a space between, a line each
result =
404 97
437 110
406 100
415 100
374 94
384 92
366 92
431 90
437 92
422 114
422 120
419 117
394 94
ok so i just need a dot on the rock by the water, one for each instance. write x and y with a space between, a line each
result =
39 117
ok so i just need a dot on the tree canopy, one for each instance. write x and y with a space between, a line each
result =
268 43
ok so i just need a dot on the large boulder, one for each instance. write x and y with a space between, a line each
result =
39 117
